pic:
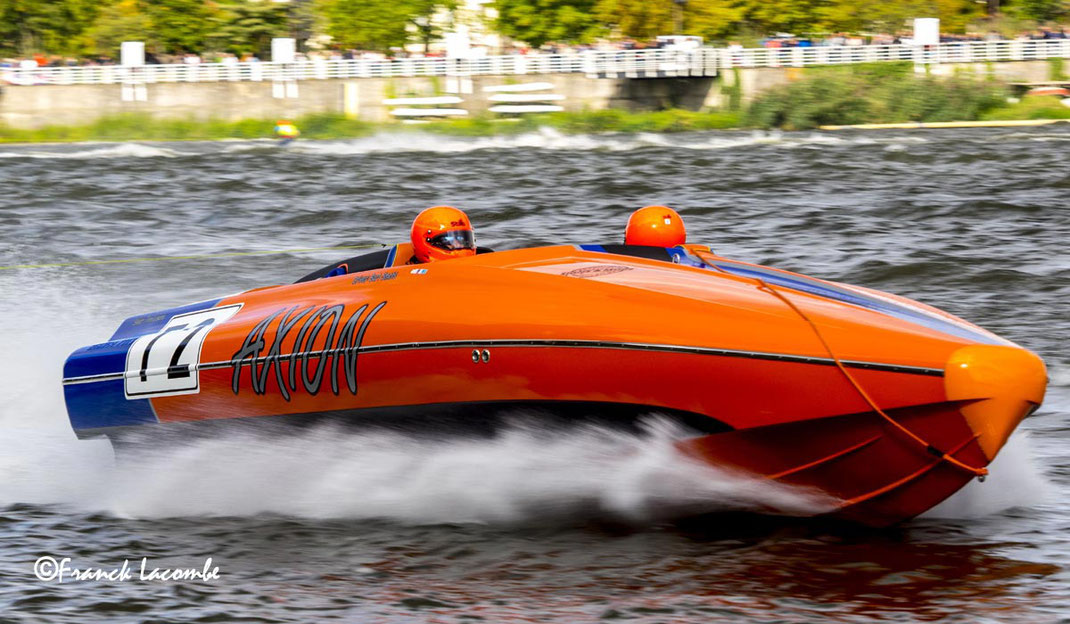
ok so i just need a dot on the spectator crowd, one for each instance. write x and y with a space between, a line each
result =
780 40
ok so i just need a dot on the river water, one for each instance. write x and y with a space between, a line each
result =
530 526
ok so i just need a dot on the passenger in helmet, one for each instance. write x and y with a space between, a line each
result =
441 233
655 226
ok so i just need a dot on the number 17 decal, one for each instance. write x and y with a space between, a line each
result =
165 363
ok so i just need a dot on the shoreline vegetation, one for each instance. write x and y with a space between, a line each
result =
887 93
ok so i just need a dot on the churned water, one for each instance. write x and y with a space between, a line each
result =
532 525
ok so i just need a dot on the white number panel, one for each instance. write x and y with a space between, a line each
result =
165 363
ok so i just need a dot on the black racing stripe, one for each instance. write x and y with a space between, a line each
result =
590 344
573 344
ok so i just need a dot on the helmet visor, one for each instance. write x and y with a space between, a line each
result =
454 240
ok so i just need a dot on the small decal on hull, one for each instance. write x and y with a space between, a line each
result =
371 278
596 271
164 363
261 351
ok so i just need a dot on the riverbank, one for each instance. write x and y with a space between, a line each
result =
886 93
144 128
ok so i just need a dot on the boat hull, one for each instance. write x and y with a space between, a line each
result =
882 404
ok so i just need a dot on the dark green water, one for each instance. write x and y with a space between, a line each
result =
522 528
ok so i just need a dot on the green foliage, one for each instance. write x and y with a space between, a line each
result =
136 127
133 127
420 14
380 24
646 19
643 19
1041 10
1056 69
116 23
536 22
712 19
73 27
877 93
332 126
1031 107
53 26
247 26
181 25
784 15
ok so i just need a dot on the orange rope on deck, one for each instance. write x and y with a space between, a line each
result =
929 448
862 391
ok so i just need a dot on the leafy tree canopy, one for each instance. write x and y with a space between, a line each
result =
181 25
536 22
380 24
248 26
56 26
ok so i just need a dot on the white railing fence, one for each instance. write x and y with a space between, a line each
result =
616 63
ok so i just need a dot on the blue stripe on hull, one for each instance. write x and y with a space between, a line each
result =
110 357
828 291
151 323
99 359
103 404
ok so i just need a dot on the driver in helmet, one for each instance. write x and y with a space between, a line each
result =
441 233
655 226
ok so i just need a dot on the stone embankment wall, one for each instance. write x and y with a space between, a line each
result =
363 98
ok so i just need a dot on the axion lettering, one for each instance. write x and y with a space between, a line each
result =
262 350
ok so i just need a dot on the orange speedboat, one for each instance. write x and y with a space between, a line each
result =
884 403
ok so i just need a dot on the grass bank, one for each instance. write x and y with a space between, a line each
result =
883 93
145 128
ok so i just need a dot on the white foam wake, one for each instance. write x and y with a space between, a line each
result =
90 152
1014 480
544 138
524 474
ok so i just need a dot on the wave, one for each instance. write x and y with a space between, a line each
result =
551 139
542 139
1014 480
524 474
119 150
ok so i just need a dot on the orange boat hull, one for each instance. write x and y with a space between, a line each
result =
886 405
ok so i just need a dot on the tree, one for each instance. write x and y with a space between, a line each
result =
711 19
248 26
536 22
53 26
381 24
642 19
365 24
646 19
897 15
1042 10
119 22
181 25
421 14
790 16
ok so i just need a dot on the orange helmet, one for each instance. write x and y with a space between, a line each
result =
442 232
656 226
